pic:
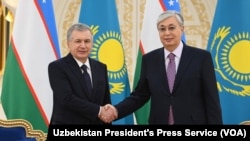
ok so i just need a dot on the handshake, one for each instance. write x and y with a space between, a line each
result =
108 113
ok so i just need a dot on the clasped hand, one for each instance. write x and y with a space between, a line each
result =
108 113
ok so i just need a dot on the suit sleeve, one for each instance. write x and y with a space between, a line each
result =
210 91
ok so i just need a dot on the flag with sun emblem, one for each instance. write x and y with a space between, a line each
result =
229 44
101 16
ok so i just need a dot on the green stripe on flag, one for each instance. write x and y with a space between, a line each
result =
17 99
142 113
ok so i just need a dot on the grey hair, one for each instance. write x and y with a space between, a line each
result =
171 13
78 27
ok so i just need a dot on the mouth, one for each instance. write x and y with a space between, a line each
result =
168 39
83 51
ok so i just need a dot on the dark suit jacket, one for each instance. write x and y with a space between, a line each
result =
72 103
194 99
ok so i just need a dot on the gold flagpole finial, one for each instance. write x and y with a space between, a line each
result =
9 17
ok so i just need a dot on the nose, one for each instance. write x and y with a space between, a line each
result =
167 32
82 45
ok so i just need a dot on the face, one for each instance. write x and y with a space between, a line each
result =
170 33
80 44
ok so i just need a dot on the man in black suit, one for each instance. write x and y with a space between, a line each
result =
72 102
194 98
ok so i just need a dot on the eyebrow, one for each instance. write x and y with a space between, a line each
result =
161 25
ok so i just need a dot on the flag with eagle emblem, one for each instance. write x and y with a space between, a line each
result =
101 16
229 44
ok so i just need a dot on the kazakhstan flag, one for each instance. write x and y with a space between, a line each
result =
229 44
101 16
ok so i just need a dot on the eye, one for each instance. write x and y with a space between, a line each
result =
87 41
171 28
77 41
162 29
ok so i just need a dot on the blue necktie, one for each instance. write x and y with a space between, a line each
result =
171 72
87 78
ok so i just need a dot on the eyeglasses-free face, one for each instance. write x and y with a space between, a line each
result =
170 28
170 32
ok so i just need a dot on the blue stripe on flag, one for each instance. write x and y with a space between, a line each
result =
171 4
46 8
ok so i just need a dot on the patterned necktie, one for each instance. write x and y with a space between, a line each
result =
87 78
171 72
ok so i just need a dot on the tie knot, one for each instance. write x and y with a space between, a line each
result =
84 67
171 56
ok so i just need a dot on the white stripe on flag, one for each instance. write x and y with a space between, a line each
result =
35 52
149 36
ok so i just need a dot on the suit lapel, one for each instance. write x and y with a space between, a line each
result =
77 72
186 57
94 71
160 69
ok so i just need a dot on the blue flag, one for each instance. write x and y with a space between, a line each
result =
101 16
229 44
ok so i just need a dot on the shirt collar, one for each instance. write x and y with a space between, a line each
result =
80 63
177 52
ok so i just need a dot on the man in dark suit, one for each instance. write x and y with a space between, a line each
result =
193 98
72 102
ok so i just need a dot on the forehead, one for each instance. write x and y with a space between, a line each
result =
81 34
168 21
85 32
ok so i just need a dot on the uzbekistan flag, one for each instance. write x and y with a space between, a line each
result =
26 93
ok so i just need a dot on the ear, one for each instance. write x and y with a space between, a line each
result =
68 43
182 28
